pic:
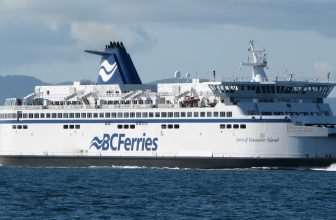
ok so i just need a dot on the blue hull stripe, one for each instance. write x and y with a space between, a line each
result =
174 120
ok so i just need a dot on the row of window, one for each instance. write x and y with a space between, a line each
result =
170 126
71 126
116 115
19 126
325 113
126 126
234 126
271 89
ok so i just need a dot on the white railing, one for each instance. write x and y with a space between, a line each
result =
21 107
276 79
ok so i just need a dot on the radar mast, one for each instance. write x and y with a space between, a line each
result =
258 64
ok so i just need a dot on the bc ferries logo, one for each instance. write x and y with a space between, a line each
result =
106 70
119 142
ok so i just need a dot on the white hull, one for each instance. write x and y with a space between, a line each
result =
267 138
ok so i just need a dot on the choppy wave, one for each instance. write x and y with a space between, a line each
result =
142 167
332 167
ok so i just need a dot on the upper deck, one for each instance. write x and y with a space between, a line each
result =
275 89
260 87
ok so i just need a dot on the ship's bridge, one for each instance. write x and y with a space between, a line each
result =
277 89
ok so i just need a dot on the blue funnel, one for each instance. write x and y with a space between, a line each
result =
116 66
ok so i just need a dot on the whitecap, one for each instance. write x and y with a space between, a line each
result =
332 167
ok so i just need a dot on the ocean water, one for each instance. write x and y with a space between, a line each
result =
145 193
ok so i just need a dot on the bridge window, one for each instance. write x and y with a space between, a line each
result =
189 114
126 114
138 114
83 115
183 114
202 114
195 114
222 114
145 114
163 114
325 113
209 114
176 114
151 114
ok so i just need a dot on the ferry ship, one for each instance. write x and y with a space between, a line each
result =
195 124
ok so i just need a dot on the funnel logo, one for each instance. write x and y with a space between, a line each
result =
119 142
106 70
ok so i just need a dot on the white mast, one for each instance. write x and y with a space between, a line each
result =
258 65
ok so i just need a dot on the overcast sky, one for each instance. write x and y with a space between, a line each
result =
46 39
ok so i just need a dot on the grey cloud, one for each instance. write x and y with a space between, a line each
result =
45 26
268 14
27 43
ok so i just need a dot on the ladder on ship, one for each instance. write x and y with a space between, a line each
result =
70 96
84 99
131 95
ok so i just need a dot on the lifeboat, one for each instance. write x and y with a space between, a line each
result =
190 101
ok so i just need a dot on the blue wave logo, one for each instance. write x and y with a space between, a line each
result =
120 142
106 70
102 144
